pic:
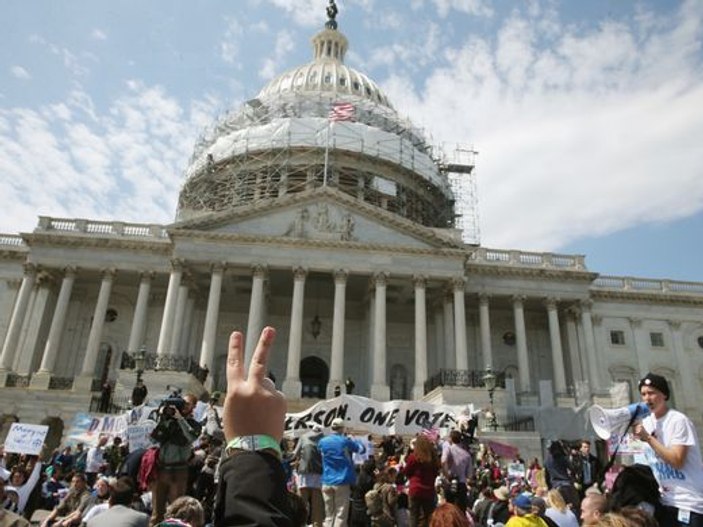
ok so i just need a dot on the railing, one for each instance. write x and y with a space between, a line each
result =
110 228
11 240
463 378
152 361
114 405
528 259
523 424
17 381
60 383
646 285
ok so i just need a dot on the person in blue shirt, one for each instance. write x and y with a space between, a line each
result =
338 473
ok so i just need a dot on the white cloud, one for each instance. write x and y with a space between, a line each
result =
69 159
598 131
272 65
98 34
471 7
230 43
18 72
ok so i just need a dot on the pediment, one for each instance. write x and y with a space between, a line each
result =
322 215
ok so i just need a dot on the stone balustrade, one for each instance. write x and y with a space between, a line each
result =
646 285
112 228
483 255
11 240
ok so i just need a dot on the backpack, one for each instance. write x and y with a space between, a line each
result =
374 502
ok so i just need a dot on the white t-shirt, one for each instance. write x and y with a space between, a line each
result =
680 488
562 519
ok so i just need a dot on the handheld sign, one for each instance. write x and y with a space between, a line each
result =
26 439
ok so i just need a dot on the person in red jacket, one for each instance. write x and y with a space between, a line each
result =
421 469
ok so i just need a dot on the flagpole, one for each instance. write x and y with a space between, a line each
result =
327 152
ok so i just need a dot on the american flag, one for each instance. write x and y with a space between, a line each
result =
341 111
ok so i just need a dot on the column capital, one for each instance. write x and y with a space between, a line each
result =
218 267
109 273
70 271
586 305
300 273
259 270
177 264
420 281
635 322
458 283
550 302
518 300
45 279
484 299
29 268
146 276
380 278
340 276
597 319
675 325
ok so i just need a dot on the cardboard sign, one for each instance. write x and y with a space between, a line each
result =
26 439
139 435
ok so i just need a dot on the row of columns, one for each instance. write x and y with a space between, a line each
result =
178 308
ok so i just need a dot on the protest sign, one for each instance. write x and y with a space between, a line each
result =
139 435
26 439
381 418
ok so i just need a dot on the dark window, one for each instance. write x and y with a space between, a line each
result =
617 337
657 340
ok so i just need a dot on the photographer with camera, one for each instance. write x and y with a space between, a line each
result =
175 432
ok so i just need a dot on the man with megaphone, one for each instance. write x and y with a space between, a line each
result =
674 454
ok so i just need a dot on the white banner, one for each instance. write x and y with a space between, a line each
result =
364 414
139 436
26 439
360 414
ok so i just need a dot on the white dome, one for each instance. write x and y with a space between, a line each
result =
326 74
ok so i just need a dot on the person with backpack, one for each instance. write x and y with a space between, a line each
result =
309 469
382 500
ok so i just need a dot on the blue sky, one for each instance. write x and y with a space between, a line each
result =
587 116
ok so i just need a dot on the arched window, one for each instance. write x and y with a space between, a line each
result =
399 382
314 375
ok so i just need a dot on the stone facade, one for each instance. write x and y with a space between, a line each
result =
357 285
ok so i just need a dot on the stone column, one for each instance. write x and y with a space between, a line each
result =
187 349
380 389
572 339
420 283
641 346
448 316
96 329
174 282
521 342
439 336
485 323
589 344
337 355
256 311
15 327
179 317
30 343
51 348
686 398
207 348
292 385
555 340
136 334
462 358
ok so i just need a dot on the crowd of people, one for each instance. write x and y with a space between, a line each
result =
238 469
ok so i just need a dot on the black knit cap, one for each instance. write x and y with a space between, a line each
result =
655 381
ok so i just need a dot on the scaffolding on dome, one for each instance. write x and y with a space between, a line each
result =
270 148
459 167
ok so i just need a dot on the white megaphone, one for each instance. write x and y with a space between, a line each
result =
606 421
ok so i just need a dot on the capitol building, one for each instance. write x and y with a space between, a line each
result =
316 208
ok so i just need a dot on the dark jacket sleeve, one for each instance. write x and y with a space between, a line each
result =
252 492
